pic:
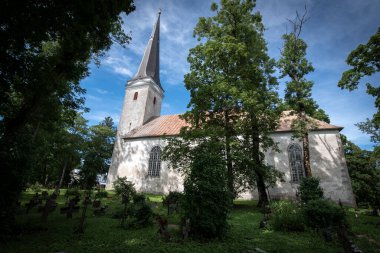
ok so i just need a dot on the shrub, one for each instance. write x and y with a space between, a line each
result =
172 201
286 216
72 192
124 189
36 187
139 198
100 194
321 214
140 211
207 200
172 197
309 189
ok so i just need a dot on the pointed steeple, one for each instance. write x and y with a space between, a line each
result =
150 64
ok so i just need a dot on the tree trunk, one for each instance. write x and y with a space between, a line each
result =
263 197
46 179
36 131
230 174
260 182
63 174
306 155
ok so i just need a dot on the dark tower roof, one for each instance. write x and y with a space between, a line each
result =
150 64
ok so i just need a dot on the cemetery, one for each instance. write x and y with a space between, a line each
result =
190 126
93 221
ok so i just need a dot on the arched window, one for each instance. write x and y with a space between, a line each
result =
135 96
154 100
296 162
154 162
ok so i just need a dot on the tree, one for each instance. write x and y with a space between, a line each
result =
126 191
364 176
294 65
59 148
232 89
98 151
45 51
365 61
207 199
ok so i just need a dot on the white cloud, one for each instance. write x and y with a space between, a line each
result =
101 91
123 71
95 98
118 63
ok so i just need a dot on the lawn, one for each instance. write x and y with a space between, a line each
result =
102 233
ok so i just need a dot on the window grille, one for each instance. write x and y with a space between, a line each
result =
296 162
154 162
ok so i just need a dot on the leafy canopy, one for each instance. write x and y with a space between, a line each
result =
365 61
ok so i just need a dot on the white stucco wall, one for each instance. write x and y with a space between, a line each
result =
326 154
133 163
327 163
137 112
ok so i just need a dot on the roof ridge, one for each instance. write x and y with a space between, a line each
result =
171 124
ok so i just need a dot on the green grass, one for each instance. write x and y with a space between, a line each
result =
102 234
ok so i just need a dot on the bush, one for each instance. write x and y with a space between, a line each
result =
172 197
140 211
321 214
286 216
309 189
124 189
36 187
101 194
207 200
172 201
72 192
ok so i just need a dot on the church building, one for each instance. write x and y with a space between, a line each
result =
142 134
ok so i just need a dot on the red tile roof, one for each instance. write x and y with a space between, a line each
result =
166 125
170 125
287 119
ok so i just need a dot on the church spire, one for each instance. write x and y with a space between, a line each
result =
150 64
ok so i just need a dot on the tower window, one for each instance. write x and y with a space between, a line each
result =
154 100
154 162
135 96
296 162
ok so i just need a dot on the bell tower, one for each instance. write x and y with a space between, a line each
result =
142 101
144 93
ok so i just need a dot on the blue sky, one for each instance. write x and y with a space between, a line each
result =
334 29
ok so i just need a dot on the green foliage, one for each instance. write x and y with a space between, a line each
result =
294 65
244 234
286 216
36 187
365 61
207 200
98 151
45 50
321 213
58 150
72 192
172 197
101 194
233 91
140 211
364 176
309 189
124 189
